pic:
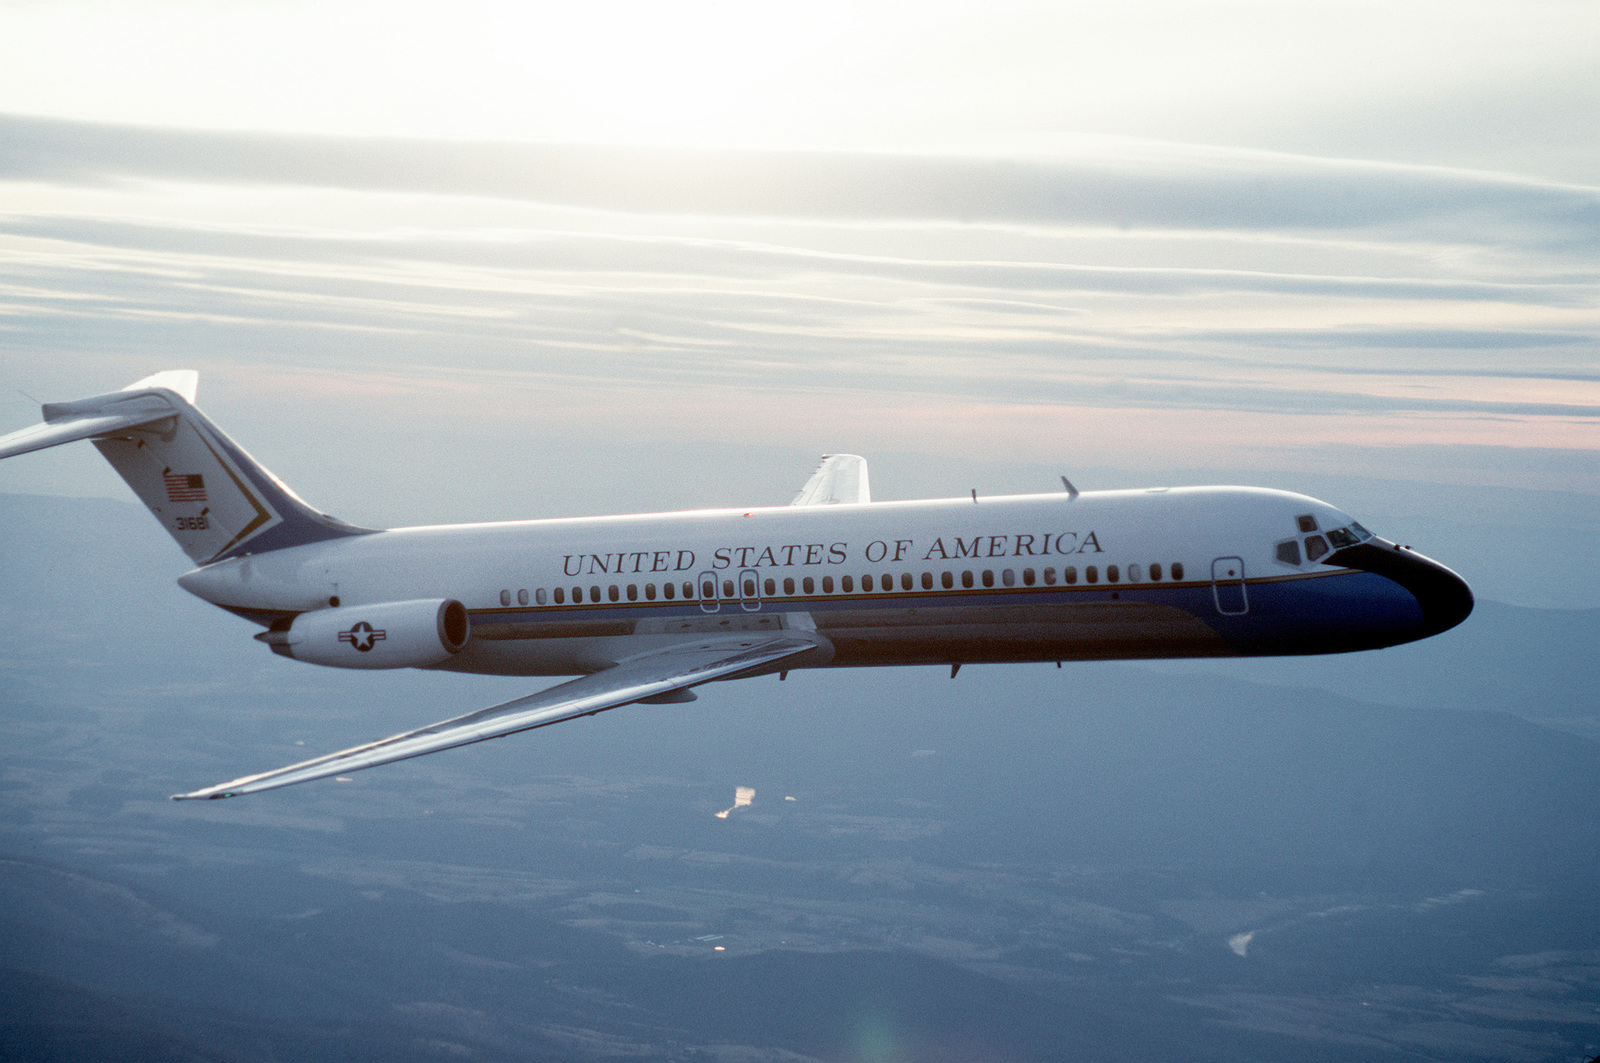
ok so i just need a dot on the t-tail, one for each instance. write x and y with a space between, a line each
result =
209 495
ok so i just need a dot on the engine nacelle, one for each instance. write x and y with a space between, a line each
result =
412 634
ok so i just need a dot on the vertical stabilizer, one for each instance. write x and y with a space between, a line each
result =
209 495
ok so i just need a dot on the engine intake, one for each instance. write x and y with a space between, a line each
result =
413 634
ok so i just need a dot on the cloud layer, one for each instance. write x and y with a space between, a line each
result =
1134 306
1115 183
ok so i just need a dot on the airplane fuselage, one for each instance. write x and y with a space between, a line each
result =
1185 572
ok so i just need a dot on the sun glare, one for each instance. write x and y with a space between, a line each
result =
698 72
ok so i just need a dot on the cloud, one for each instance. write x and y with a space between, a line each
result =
1122 184
618 306
1277 312
601 252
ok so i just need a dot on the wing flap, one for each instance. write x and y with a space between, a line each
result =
646 676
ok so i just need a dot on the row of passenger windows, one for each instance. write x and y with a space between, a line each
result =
745 586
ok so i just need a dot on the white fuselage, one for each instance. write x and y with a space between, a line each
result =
1148 573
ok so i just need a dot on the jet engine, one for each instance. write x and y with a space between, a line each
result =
412 634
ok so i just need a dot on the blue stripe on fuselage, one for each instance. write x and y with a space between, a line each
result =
1325 613
1350 610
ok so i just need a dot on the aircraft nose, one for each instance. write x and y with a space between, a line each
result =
1445 598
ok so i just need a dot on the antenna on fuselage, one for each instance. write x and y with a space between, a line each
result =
1072 492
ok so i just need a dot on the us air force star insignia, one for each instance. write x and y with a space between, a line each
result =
363 635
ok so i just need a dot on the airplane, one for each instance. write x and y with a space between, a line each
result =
646 608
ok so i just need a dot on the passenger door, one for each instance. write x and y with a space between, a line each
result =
1227 586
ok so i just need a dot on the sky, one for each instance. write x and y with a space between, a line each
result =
495 260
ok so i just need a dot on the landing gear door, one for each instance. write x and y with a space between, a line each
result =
1227 586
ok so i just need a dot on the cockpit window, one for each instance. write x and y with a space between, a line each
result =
1341 537
1361 534
1307 522
1289 552
1316 546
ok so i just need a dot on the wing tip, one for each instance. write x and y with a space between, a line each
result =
202 795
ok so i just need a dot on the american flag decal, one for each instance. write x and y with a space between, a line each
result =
184 487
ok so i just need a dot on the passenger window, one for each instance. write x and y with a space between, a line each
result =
966 577
905 581
808 585
1112 574
988 577
1316 546
727 588
847 584
866 582
594 594
539 595
1050 576
505 597
561 595
1177 570
669 591
1069 574
1155 570
927 581
1027 577
1307 523
649 592
708 589
613 592
633 592
887 582
522 597
688 591
827 584
788 586
947 580
771 587
1091 574
1008 577
1135 574
749 586
1289 552
577 596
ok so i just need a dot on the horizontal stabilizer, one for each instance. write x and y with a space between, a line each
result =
68 422
648 677
841 478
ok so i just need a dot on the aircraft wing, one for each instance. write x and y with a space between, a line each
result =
840 478
648 675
